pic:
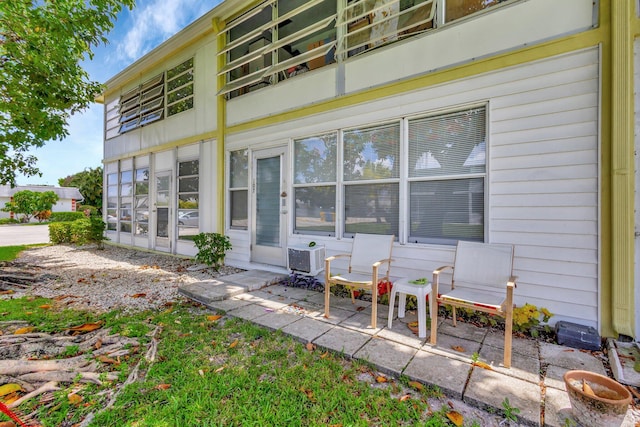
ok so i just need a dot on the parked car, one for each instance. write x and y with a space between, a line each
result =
188 219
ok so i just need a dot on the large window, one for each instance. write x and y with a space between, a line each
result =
446 177
161 96
239 189
315 184
112 201
126 200
280 39
371 179
438 185
141 214
188 199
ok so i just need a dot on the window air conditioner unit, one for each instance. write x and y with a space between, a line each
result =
305 259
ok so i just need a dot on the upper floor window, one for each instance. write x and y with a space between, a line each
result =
283 38
161 96
277 40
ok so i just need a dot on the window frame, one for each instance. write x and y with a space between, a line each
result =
239 189
179 193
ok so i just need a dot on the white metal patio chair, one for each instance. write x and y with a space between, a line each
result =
369 263
482 280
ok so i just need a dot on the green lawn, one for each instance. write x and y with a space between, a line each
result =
9 253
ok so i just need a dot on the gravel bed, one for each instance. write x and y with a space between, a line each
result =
111 278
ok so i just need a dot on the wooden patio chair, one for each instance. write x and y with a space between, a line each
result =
483 281
369 263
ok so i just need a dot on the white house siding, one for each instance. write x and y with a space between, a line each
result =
497 30
542 182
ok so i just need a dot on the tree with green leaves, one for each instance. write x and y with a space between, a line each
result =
30 203
41 81
89 183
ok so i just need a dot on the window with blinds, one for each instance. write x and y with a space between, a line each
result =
314 171
239 189
447 169
371 171
112 201
438 185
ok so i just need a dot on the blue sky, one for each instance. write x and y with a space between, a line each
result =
135 34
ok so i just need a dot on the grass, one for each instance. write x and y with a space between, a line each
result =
9 253
214 371
226 371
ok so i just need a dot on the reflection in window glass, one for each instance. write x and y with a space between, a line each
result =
141 216
372 153
238 189
444 149
188 199
315 159
371 208
315 211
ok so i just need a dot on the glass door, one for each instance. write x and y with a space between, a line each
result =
269 197
162 211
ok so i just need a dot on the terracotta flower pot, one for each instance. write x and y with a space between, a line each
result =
604 403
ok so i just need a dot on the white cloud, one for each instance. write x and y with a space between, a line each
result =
155 21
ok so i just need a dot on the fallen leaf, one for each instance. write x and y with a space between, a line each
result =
458 348
311 346
360 308
25 330
405 397
456 418
201 372
10 398
98 344
9 388
234 343
214 317
416 385
586 388
7 424
45 306
309 394
106 359
163 386
7 292
140 295
219 369
482 365
381 379
74 399
86 327
324 355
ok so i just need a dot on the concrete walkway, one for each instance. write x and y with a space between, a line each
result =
533 384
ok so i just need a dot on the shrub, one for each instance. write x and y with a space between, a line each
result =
531 319
80 231
212 248
65 216
92 210
8 221
43 215
60 232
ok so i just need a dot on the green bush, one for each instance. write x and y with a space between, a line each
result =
9 221
211 248
81 231
60 232
92 209
66 216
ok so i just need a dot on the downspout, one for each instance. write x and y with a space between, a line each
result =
622 168
221 118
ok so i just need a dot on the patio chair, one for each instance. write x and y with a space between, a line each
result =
369 263
483 281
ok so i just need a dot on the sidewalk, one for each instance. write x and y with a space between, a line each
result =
533 384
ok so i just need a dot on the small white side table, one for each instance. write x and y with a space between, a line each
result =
404 288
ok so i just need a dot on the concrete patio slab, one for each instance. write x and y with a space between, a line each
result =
276 320
522 367
206 292
342 340
488 388
450 375
555 408
388 356
522 346
307 330
362 322
454 347
462 330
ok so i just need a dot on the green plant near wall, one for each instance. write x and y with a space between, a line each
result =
212 248
531 319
